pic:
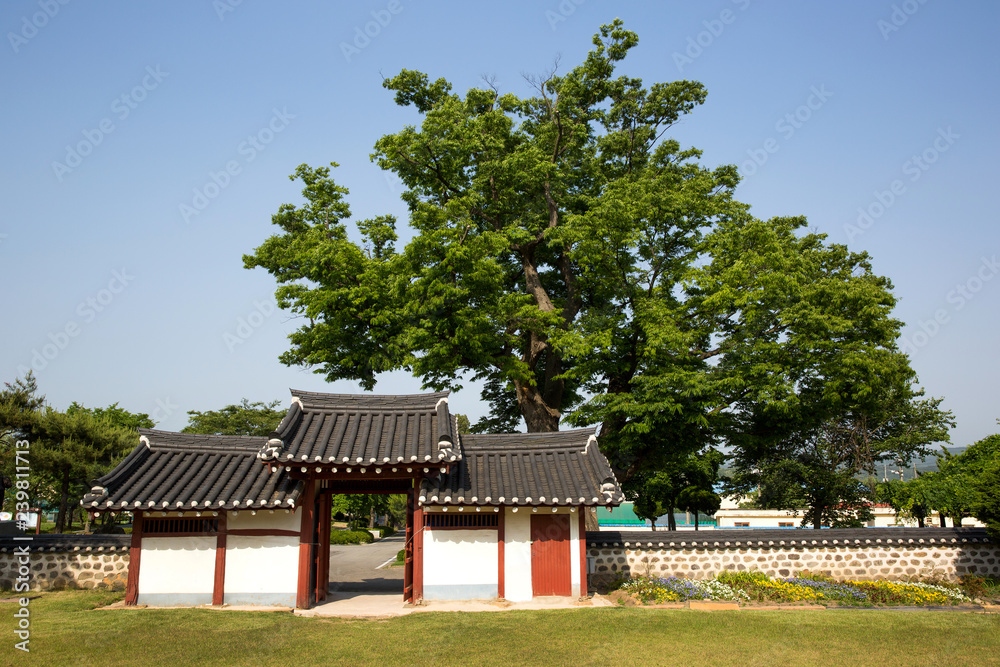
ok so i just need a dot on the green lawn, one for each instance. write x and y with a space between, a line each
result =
66 630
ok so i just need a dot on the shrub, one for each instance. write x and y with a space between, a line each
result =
351 537
734 578
974 587
401 556
385 531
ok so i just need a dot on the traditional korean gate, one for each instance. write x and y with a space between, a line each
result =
550 554
314 554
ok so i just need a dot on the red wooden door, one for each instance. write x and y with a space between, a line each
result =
550 557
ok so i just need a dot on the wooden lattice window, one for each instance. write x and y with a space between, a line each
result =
461 520
177 525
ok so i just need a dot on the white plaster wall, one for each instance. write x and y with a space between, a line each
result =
265 520
517 554
177 566
261 570
457 557
574 552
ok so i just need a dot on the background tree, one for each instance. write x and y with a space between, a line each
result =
363 510
984 456
17 400
583 265
67 449
244 418
815 456
688 484
965 484
910 499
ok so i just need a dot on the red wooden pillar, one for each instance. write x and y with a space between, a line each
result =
583 551
132 587
323 555
307 504
219 588
411 501
500 554
418 554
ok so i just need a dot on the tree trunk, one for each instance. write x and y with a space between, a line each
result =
539 417
818 518
920 522
652 524
696 520
63 502
944 524
671 520
957 520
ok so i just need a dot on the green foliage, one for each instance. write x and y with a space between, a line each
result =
742 577
976 482
67 449
245 418
814 457
687 484
401 556
363 510
114 416
397 510
351 537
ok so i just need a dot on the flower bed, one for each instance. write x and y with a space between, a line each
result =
805 588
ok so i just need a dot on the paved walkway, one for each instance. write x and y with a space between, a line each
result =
389 604
353 566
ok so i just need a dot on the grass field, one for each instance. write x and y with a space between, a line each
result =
67 630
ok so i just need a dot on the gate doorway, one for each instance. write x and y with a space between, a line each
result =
319 574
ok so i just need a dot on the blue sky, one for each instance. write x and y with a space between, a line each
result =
144 147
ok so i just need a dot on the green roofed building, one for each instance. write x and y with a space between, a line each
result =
624 517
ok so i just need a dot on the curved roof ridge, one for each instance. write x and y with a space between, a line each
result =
430 397
173 440
506 441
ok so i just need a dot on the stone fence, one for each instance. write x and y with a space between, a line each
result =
859 554
49 562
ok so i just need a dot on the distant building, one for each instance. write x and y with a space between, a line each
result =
624 517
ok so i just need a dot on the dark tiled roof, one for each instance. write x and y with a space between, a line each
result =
364 429
66 542
563 468
175 471
777 538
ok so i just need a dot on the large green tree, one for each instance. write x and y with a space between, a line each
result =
580 263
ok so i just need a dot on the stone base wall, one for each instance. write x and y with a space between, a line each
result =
864 554
50 562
